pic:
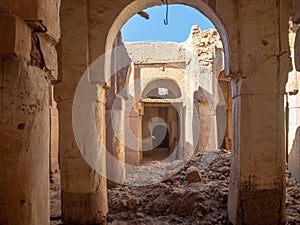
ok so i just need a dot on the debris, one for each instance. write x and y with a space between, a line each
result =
177 200
193 174
144 15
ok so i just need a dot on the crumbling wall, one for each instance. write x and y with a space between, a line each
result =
152 62
192 64
203 68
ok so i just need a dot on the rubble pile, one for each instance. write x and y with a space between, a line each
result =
292 200
197 194
194 194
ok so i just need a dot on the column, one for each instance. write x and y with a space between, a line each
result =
257 179
24 127
115 139
83 187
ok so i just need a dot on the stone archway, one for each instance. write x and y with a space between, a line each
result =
136 6
254 141
258 62
152 88
242 96
161 122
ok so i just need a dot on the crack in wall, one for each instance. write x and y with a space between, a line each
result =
36 25
242 211
36 55
1 86
281 205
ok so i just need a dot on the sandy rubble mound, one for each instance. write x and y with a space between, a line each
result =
292 200
197 192
193 192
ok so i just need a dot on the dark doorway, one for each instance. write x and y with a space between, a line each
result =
160 137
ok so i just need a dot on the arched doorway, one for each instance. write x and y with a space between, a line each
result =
161 123
160 145
88 35
257 126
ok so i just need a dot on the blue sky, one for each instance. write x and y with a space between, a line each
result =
181 19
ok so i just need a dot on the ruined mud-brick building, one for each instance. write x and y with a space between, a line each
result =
68 43
173 86
165 102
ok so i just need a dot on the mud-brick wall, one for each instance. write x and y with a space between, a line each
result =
29 33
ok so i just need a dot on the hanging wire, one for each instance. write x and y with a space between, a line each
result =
167 11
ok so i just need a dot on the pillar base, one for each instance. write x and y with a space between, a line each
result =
83 208
265 207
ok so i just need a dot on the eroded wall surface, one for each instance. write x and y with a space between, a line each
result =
29 33
194 66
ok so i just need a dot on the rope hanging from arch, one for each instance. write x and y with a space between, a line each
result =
165 2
